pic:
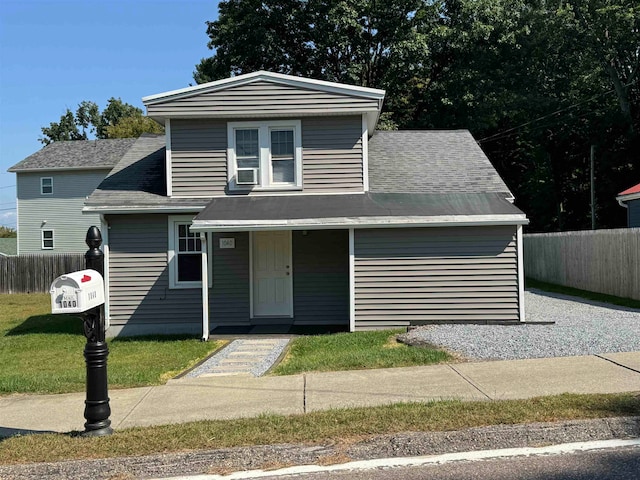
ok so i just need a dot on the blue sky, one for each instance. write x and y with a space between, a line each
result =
54 54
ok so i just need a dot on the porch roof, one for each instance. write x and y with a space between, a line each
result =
356 210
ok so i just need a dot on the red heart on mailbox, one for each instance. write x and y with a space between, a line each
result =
86 278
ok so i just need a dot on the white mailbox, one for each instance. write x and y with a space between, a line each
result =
77 292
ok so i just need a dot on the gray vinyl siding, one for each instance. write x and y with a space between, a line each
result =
321 277
61 210
420 275
229 297
633 213
331 156
320 280
139 290
262 99
198 157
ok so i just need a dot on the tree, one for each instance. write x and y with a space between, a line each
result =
129 127
89 121
536 82
7 232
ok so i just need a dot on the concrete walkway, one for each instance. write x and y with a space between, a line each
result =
224 397
251 356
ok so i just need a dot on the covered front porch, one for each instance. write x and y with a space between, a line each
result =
276 281
356 262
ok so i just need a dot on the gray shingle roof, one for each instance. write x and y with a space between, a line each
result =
138 180
441 172
430 161
279 208
76 154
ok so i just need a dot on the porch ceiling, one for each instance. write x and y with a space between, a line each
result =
368 209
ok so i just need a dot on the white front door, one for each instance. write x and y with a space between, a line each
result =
272 279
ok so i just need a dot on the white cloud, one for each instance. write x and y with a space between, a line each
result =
8 219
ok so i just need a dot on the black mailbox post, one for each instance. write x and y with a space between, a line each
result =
96 351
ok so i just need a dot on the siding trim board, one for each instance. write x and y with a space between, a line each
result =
168 165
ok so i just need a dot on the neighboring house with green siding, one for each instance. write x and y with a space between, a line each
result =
272 204
52 185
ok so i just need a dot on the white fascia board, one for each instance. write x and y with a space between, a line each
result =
143 209
61 169
628 197
269 76
359 222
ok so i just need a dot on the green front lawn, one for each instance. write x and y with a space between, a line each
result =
353 351
42 353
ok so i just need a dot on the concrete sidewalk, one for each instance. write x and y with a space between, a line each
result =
186 399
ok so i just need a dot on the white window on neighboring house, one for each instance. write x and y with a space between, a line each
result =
46 185
265 155
185 254
47 239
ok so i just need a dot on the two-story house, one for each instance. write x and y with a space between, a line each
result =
52 185
271 203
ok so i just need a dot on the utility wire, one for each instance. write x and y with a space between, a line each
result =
7 186
498 134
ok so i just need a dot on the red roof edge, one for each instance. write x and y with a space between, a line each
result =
629 191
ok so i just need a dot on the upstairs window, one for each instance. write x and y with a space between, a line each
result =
46 186
47 239
265 155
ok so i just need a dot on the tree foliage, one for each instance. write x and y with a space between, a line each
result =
117 120
536 82
8 232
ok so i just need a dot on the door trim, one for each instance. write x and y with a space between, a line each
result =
251 278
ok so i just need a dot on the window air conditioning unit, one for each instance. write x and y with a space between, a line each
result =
247 176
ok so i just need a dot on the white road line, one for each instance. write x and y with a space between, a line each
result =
422 460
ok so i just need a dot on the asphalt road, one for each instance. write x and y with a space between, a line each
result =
621 463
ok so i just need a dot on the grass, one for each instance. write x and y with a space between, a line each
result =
42 353
597 297
352 351
315 428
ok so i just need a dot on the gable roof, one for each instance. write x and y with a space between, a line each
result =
629 191
431 161
266 95
76 155
263 75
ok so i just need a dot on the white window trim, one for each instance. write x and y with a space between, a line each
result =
42 179
264 178
172 257
53 239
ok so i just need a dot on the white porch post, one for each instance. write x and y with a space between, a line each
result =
352 282
104 227
205 287
520 274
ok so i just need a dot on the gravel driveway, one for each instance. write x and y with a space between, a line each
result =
582 327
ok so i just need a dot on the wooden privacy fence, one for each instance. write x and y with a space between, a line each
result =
34 273
604 261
